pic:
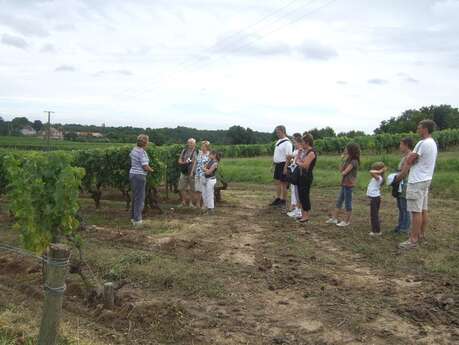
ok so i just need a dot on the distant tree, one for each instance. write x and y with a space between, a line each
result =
444 116
37 125
3 126
352 134
70 136
239 135
326 132
19 122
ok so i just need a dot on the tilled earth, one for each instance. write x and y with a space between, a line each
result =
248 275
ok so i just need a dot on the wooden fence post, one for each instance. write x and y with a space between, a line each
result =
109 296
57 266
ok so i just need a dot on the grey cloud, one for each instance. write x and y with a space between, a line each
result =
248 45
407 78
14 41
415 40
24 26
48 48
65 27
123 72
377 81
317 51
253 45
411 80
65 68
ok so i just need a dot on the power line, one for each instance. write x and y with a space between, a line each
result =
261 37
286 25
227 42
241 32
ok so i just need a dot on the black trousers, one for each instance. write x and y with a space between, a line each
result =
304 188
375 203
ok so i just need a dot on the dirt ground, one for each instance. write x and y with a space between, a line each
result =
249 275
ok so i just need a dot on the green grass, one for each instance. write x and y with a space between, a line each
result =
258 170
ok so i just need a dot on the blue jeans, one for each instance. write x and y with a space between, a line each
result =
404 217
345 197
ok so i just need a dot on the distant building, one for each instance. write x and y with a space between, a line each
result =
28 131
90 134
54 133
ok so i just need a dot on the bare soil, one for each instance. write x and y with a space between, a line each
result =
249 275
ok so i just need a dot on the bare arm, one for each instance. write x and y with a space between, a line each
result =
409 162
193 166
211 169
377 173
147 168
308 160
347 170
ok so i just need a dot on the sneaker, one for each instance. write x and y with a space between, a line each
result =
332 221
137 224
298 213
407 245
343 224
192 206
293 213
210 211
275 202
374 233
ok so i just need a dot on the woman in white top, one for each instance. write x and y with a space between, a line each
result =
201 161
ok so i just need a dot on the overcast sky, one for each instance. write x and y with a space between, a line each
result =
213 63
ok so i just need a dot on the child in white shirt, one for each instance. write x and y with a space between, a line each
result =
374 194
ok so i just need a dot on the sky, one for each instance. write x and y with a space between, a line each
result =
211 64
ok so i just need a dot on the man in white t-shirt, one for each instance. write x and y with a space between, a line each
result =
282 149
421 166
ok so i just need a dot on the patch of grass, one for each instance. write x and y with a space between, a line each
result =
155 271
326 174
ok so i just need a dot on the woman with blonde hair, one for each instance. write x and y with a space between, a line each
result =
138 177
200 179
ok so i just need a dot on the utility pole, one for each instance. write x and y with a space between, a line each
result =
48 134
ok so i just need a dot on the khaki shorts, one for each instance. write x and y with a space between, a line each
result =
186 182
417 196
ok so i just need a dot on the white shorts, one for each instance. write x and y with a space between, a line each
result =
417 196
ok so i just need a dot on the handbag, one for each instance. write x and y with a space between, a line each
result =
293 177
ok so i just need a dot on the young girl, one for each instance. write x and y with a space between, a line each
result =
210 170
348 172
374 194
295 206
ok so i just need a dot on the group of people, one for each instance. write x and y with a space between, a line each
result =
294 165
197 180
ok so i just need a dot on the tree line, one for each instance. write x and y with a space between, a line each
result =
445 116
